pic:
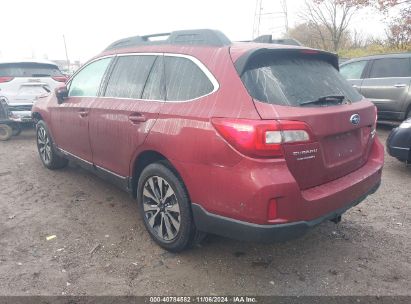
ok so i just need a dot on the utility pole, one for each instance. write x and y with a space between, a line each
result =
285 11
67 58
257 18
273 15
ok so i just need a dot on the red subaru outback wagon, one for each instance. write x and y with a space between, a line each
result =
252 141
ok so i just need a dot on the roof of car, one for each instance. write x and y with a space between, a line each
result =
193 38
379 56
190 42
42 61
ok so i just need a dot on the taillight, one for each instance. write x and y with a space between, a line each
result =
259 138
60 78
5 79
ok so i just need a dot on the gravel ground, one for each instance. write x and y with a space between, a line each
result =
101 247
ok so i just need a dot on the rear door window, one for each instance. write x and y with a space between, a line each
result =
185 80
29 69
154 88
87 82
129 76
293 80
353 70
391 67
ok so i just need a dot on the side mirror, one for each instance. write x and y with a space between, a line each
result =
61 94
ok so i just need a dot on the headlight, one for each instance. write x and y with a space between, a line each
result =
406 124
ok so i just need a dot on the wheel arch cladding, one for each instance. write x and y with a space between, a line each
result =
148 157
37 116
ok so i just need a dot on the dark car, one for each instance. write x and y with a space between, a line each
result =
385 80
399 142
252 141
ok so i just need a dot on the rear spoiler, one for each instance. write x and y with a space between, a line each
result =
244 61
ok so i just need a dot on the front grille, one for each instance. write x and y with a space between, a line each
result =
20 107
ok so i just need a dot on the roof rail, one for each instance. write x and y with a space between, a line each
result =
205 37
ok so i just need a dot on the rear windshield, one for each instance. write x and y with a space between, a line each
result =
292 81
29 69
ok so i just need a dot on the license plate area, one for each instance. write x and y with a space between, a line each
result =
343 147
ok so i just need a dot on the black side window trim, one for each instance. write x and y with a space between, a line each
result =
163 89
106 77
367 69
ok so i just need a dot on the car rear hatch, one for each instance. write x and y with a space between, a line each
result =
304 85
24 82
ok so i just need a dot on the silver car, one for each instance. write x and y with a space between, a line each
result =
384 79
23 81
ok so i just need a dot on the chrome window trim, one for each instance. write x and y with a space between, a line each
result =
82 68
394 77
196 61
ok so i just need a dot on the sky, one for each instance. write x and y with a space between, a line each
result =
35 29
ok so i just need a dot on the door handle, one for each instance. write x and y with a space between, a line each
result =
400 85
137 118
83 113
355 86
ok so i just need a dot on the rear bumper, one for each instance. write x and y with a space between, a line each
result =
20 112
244 231
237 206
21 116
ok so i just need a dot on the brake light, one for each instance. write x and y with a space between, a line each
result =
5 79
259 138
60 78
308 51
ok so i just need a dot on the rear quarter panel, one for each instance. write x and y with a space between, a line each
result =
183 132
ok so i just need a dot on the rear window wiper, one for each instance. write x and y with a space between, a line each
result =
325 100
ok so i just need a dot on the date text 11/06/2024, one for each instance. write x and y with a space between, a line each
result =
204 299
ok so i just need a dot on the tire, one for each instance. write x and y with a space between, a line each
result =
167 213
17 130
6 132
47 152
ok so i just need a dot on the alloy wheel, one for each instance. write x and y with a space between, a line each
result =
44 145
161 208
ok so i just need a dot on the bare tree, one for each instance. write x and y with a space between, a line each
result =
399 30
307 33
330 18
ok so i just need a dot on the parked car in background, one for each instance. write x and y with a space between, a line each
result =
385 80
252 141
6 124
399 142
23 81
